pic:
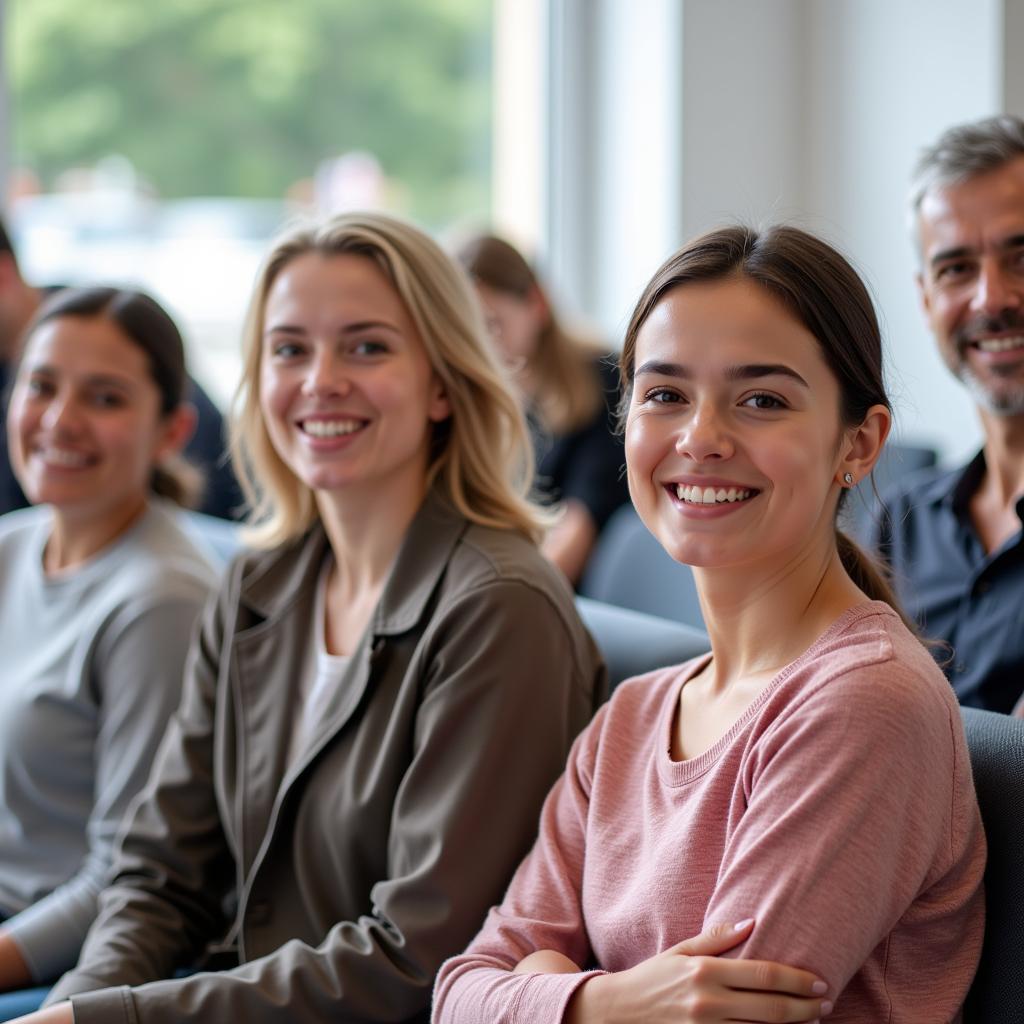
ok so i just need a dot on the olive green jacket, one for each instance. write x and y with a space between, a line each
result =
339 882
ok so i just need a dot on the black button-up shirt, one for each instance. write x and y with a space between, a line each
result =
958 593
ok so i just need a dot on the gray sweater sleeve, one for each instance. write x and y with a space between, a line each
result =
136 671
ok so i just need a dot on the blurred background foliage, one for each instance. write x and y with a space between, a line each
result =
249 97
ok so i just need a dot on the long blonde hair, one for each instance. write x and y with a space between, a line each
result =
481 456
563 365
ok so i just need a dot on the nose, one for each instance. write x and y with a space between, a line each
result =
326 374
61 415
704 435
995 291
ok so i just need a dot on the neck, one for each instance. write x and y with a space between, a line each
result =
365 532
759 619
75 539
1004 457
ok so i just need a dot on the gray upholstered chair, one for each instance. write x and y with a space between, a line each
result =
996 743
632 642
631 569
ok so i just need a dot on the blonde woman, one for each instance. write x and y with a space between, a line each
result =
569 390
383 692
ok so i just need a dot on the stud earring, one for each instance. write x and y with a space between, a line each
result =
848 479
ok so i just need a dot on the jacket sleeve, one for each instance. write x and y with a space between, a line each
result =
859 802
137 671
164 902
503 695
541 910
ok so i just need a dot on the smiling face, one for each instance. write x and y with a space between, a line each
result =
733 436
972 282
84 423
346 390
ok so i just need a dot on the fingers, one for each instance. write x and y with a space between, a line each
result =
765 976
771 1009
715 939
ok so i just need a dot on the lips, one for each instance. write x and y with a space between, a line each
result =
63 458
321 428
999 344
693 494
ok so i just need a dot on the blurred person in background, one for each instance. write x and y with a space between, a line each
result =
206 448
953 537
99 591
382 692
569 391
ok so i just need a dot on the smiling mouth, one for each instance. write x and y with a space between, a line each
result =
694 495
998 344
330 428
64 458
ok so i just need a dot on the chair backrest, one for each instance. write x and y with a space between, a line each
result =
220 539
633 643
996 744
631 569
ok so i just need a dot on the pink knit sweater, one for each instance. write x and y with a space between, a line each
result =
839 812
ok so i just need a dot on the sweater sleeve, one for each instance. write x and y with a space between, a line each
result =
479 985
137 671
164 901
496 719
855 809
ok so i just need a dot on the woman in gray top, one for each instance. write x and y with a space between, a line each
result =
384 690
99 591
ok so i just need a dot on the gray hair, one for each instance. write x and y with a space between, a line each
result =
962 152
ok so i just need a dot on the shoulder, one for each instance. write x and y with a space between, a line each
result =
159 562
23 521
920 488
869 675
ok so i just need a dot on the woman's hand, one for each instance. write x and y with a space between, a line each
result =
688 984
546 961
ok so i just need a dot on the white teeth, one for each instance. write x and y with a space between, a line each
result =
330 428
1000 344
710 495
64 457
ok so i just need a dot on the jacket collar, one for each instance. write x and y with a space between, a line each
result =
274 580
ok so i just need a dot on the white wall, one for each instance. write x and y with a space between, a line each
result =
703 111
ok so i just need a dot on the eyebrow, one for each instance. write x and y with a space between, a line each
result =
353 328
959 252
93 380
748 371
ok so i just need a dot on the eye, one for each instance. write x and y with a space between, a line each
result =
108 400
762 400
37 387
950 272
369 347
663 396
285 349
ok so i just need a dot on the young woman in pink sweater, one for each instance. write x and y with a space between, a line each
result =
800 799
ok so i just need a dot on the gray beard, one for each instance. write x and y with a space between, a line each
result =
1006 403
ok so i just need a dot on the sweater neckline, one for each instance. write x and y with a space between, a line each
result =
680 773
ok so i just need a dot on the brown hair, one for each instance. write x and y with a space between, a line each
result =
481 456
569 389
148 325
821 290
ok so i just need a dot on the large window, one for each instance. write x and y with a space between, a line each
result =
162 145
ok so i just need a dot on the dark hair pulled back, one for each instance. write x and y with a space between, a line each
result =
824 293
148 325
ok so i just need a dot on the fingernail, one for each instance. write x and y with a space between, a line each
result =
819 988
743 925
826 1008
